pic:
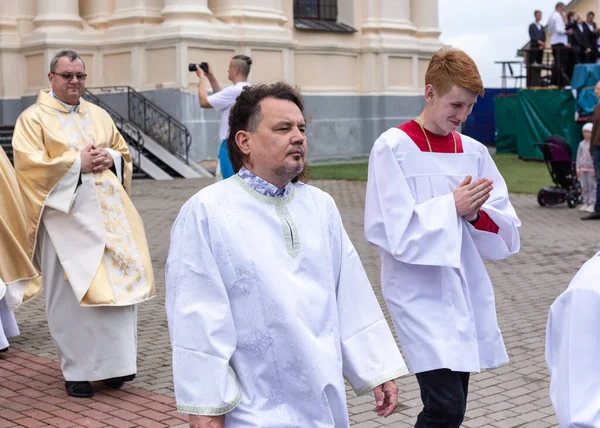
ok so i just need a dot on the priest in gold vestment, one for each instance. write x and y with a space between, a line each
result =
16 268
74 172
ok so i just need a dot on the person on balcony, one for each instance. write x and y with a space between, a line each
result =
537 39
222 99
74 170
559 40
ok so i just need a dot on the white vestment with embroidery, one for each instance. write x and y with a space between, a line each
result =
269 308
93 342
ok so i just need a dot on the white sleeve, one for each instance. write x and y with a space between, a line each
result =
429 233
559 26
507 241
572 350
223 99
201 328
63 194
117 162
369 352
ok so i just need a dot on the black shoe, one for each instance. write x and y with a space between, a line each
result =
117 382
129 378
4 350
79 389
592 216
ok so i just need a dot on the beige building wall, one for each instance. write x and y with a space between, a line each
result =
148 44
584 6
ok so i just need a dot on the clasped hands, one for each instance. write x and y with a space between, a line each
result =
386 400
470 196
95 160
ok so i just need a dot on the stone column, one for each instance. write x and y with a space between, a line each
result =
129 12
388 46
388 17
424 16
95 12
10 60
185 11
57 16
257 12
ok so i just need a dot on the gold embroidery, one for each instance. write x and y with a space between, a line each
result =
121 258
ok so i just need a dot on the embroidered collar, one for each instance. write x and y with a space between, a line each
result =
263 186
69 107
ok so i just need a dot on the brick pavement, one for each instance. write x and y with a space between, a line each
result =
554 245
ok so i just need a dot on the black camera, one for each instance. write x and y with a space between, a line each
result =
203 66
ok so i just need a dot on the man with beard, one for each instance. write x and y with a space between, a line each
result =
268 304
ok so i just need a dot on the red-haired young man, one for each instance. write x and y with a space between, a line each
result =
436 205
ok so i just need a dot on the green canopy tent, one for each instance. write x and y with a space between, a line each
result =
505 116
541 113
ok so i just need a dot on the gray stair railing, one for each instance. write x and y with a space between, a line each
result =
155 122
6 134
130 133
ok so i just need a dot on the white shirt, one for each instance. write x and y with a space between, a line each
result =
223 101
590 26
556 29
573 350
269 308
433 277
538 25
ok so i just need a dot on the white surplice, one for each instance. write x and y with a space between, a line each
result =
269 307
92 342
573 350
8 323
433 277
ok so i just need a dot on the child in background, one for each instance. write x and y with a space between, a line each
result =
585 170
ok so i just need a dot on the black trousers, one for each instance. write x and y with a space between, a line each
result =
560 52
444 395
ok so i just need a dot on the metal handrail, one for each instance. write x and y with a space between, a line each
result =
132 135
154 121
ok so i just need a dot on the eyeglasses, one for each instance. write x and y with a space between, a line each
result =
69 76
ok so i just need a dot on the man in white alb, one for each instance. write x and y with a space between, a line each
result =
436 205
268 304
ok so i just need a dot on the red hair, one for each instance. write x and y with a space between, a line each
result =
450 67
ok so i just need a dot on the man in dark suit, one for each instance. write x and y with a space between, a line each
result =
580 41
593 34
537 39
535 54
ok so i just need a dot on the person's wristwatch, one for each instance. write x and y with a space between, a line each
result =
476 218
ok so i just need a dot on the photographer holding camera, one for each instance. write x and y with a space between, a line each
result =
223 99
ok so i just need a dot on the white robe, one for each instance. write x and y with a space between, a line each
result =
269 307
93 342
573 350
433 277
8 323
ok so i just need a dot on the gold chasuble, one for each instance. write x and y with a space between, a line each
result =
99 237
15 262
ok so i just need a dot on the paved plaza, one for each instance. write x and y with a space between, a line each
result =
555 243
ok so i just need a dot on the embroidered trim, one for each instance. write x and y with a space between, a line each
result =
292 239
215 410
261 185
266 199
379 380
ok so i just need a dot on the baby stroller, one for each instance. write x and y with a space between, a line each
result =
559 160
